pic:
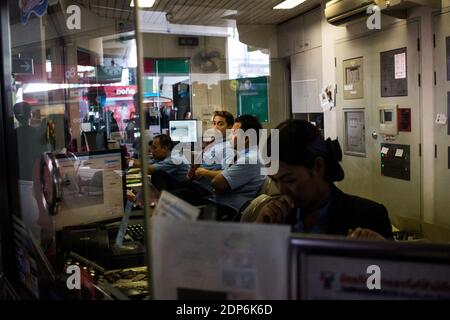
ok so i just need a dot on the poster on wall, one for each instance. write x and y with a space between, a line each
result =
253 97
328 97
394 78
353 79
355 133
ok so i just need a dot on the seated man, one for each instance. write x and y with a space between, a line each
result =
161 148
309 200
240 180
215 153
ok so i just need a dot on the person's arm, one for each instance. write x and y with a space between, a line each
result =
376 225
220 184
210 174
150 169
137 164
218 181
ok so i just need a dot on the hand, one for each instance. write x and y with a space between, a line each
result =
191 172
360 233
135 163
199 173
276 211
131 196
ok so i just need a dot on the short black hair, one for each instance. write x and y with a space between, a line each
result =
248 121
225 114
164 141
301 143
22 112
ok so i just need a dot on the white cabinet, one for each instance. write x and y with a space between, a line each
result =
285 41
306 77
312 29
303 33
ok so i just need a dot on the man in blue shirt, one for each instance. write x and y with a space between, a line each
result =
240 181
165 160
214 154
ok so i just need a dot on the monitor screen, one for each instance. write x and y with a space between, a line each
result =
326 267
184 130
94 140
92 187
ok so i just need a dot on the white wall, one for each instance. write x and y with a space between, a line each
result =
427 112
331 34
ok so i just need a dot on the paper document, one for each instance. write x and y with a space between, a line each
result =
384 150
441 118
227 261
400 66
172 206
399 153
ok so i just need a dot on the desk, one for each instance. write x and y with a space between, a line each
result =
116 271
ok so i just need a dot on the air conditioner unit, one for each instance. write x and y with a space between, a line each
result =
340 12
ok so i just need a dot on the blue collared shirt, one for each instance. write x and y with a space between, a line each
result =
244 179
321 225
216 155
177 171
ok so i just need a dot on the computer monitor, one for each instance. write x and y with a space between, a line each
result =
185 130
327 267
94 140
93 187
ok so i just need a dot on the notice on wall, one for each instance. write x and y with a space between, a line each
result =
353 78
399 153
328 97
400 66
394 80
218 260
355 133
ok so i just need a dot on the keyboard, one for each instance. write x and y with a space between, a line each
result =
136 232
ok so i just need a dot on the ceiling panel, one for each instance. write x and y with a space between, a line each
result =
199 12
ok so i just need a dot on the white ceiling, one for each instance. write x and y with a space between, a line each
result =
201 12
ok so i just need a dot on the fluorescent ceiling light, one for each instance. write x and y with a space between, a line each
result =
289 4
143 3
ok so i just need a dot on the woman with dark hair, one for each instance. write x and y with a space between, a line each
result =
309 201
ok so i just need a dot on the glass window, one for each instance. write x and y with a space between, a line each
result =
76 121
83 79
